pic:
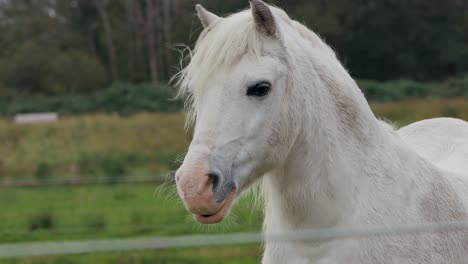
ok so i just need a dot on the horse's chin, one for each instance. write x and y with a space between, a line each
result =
221 213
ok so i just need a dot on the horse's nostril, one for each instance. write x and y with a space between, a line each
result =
216 179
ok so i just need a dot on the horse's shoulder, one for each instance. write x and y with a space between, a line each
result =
436 127
437 134
442 141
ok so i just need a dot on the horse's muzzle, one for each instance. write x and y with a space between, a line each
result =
204 193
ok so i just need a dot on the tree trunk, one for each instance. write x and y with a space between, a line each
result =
159 36
131 40
150 38
167 29
101 6
140 32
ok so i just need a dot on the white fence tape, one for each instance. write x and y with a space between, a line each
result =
158 243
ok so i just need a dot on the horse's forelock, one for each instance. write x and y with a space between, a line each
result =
220 45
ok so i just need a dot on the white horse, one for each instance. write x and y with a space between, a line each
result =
272 103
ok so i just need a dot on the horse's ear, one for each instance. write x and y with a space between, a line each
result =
206 17
263 17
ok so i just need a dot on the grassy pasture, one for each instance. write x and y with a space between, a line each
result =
225 255
142 144
93 145
107 211
117 211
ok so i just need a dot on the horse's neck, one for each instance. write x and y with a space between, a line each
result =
315 189
323 176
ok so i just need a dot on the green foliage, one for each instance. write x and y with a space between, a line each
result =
393 90
75 72
120 98
25 71
407 89
43 170
452 87
94 222
41 220
62 47
114 165
125 99
421 39
35 69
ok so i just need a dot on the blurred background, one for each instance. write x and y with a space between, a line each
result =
95 166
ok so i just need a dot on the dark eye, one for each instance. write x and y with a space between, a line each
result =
260 89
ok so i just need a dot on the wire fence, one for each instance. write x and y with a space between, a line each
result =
77 181
160 243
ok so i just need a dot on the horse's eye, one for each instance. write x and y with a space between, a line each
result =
260 89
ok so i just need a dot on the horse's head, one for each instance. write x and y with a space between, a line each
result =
237 82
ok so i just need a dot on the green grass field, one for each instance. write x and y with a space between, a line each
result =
225 255
109 145
115 211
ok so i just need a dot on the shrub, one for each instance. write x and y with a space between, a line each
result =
127 98
35 70
454 87
95 222
374 90
114 166
41 220
136 218
123 195
75 72
88 164
27 68
42 170
398 90
120 98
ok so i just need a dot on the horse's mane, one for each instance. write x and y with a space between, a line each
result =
224 43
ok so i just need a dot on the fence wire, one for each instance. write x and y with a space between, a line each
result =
161 243
77 181
41 248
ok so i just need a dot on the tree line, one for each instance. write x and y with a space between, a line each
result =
57 47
